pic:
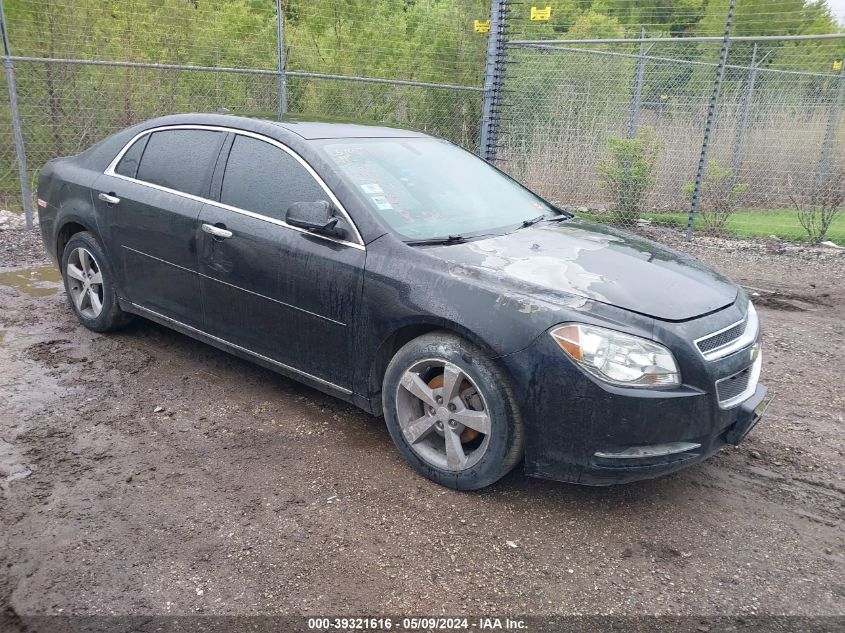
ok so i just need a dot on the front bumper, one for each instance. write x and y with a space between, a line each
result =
580 430
614 470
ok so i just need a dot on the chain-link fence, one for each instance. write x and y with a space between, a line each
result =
85 68
613 128
10 193
67 105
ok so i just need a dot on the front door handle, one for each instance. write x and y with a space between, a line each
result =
109 198
216 231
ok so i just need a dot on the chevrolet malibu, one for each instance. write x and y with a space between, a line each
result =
403 274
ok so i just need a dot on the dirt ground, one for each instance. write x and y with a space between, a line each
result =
146 473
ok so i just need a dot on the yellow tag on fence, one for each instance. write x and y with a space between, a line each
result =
541 14
482 26
837 65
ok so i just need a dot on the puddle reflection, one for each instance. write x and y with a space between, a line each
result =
36 282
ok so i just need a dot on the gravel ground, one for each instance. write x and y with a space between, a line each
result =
145 473
21 248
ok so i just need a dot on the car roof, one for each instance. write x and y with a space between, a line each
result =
297 126
295 130
313 130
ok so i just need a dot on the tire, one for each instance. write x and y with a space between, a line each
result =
89 284
430 433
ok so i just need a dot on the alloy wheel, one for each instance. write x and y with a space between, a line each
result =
443 415
85 282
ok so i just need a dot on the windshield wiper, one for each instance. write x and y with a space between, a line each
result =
531 222
544 217
449 239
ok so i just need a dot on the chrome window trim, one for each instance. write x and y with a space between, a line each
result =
358 244
753 379
222 341
752 327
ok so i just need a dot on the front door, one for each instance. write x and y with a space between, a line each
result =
153 223
273 290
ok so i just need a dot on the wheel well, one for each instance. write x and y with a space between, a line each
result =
65 233
394 342
388 350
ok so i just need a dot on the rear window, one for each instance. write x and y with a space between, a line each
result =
128 165
180 159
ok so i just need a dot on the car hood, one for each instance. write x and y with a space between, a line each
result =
555 261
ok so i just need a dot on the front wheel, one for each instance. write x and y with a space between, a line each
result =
451 412
89 284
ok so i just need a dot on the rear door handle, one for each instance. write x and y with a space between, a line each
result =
109 198
216 231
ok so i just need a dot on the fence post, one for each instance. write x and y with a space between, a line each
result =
746 113
830 132
17 130
708 126
493 79
634 121
280 48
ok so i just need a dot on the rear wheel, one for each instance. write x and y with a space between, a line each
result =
89 284
451 412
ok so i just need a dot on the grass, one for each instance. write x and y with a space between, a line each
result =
782 223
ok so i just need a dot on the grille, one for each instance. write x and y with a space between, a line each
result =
731 387
721 339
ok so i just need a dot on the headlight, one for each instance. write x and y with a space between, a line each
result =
617 358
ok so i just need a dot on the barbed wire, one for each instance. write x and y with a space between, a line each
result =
628 17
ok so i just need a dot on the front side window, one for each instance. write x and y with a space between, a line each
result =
266 180
425 188
180 159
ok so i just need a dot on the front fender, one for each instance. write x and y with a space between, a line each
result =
405 288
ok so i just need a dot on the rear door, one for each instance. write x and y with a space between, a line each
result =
272 289
150 203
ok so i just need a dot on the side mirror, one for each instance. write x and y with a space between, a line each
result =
316 217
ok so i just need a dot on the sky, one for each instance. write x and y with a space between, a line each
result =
838 8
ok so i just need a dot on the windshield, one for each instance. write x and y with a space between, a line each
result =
426 188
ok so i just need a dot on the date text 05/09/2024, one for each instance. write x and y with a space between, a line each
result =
416 624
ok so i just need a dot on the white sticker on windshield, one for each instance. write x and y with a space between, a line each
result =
371 189
381 203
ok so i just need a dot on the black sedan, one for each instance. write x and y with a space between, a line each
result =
407 276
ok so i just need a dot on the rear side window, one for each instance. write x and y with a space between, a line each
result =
263 179
128 165
180 159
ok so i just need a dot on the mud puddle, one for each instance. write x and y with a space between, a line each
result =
41 281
